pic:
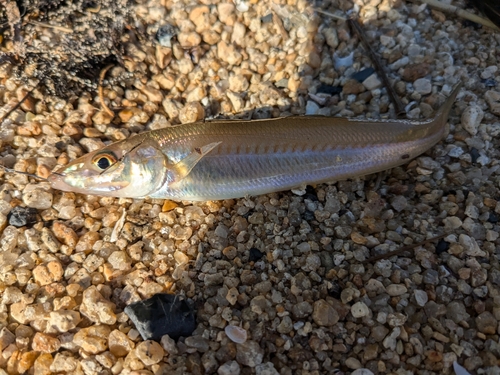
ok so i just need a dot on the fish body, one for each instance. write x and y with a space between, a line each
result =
231 159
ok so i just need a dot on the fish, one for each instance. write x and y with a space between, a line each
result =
228 159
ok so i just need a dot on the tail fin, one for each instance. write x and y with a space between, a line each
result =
443 112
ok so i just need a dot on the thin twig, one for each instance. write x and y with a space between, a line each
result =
10 170
101 91
459 12
403 249
17 105
331 15
58 28
396 101
277 21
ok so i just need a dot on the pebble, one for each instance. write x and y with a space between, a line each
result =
37 198
372 82
45 343
22 216
423 86
249 353
471 118
229 368
395 290
93 339
493 99
149 352
324 314
421 297
95 307
487 323
360 310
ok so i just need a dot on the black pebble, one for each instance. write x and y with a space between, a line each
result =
22 216
162 314
442 246
493 218
255 255
489 82
363 74
335 291
328 89
474 154
310 194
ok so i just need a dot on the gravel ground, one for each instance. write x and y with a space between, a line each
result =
279 282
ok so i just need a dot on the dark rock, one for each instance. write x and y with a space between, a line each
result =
165 34
255 255
22 216
327 89
363 74
442 246
493 218
162 314
474 154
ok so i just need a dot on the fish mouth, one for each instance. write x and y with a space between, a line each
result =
56 181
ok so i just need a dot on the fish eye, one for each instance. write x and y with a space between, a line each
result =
104 161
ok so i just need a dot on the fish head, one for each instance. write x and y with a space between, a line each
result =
133 168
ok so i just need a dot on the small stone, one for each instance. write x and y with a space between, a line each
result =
120 260
353 363
372 82
379 333
493 100
395 290
49 273
360 310
266 369
6 338
189 39
228 53
65 234
311 108
471 118
487 323
197 342
64 320
119 343
421 297
249 353
352 86
236 101
93 339
149 352
37 198
456 311
229 368
431 277
192 112
423 86
399 203
324 314
415 71
22 216
45 343
95 307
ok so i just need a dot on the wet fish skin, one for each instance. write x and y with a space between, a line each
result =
232 159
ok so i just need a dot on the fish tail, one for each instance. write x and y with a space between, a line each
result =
443 112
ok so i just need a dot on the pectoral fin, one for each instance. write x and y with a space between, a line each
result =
183 167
